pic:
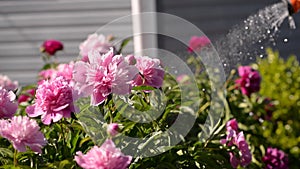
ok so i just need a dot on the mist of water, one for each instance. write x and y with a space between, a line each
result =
248 40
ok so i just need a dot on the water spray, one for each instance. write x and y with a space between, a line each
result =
293 6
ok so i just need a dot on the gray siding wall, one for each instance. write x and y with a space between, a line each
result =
25 24
216 17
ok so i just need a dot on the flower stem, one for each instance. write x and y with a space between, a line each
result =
15 158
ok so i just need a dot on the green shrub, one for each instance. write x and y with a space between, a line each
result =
281 82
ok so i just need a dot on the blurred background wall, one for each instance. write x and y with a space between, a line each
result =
216 17
25 24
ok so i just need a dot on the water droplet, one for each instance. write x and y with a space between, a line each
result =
246 27
261 47
225 64
261 56
268 31
259 41
251 58
261 120
285 40
203 89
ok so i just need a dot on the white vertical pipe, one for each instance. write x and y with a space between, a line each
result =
141 24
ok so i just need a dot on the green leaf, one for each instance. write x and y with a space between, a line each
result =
123 44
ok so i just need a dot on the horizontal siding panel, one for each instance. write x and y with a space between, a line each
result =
60 19
25 24
25 6
27 49
62 33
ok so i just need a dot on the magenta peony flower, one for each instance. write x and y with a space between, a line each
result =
233 138
103 75
54 100
269 108
94 42
151 73
112 129
197 43
249 81
106 157
275 158
242 145
7 84
22 132
7 107
232 125
234 161
51 46
26 96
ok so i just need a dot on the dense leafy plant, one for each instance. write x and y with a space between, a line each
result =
282 84
244 129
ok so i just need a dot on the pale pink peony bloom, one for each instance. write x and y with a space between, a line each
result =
7 84
196 43
54 100
7 105
105 157
103 75
151 73
94 42
22 132
47 74
64 69
112 129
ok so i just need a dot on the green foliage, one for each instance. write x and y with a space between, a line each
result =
281 82
149 113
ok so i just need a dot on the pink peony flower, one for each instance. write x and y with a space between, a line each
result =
103 75
7 84
236 139
269 108
197 43
7 107
51 46
234 161
275 158
65 70
54 100
232 125
249 81
106 157
246 156
47 74
112 129
151 73
29 94
22 132
94 42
